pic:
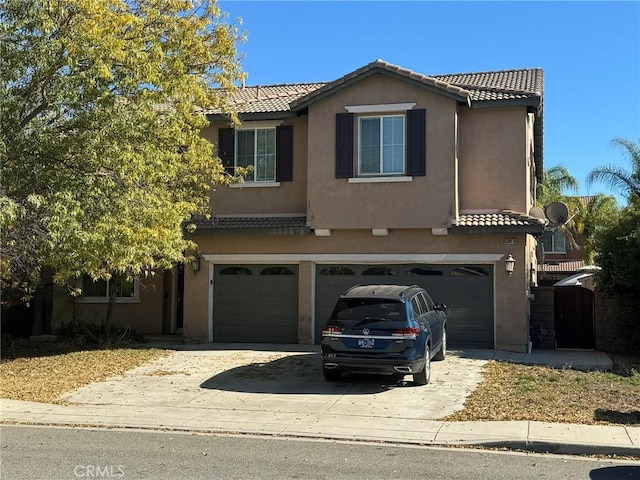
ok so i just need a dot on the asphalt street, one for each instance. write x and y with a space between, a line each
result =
43 453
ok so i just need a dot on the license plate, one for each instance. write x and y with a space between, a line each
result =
366 342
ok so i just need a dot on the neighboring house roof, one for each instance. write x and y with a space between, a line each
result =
497 221
568 266
282 225
576 280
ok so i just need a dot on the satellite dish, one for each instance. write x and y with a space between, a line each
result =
537 212
557 213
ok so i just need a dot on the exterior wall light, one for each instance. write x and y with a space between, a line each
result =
195 263
509 262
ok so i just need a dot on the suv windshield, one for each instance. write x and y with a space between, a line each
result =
359 309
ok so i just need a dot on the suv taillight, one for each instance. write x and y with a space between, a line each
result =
406 332
331 330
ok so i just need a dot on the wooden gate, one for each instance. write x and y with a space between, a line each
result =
574 317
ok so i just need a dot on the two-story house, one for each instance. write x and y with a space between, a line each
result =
382 176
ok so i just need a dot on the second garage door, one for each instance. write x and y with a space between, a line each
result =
255 303
467 290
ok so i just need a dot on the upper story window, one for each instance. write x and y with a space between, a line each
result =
554 241
98 291
381 145
266 147
256 149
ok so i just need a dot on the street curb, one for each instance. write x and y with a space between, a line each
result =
515 445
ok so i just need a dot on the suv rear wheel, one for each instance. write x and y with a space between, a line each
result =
331 375
423 377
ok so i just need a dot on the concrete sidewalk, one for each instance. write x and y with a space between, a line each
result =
268 390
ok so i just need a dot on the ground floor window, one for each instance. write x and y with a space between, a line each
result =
125 288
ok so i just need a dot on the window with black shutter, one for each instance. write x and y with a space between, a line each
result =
226 149
386 145
266 152
344 145
284 153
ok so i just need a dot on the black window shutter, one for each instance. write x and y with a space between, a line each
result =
226 149
284 153
416 142
344 145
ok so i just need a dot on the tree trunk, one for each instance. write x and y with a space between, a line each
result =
109 317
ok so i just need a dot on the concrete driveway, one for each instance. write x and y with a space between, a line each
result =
280 391
245 381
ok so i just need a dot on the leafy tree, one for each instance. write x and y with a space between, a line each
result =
587 214
102 158
618 253
627 182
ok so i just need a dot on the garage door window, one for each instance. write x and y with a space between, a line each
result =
379 271
235 271
470 271
337 271
277 271
423 271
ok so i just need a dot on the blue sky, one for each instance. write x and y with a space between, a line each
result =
590 53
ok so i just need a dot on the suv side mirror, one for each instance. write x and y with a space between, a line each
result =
441 306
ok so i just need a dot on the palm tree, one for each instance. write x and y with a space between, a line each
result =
616 177
587 214
555 181
594 214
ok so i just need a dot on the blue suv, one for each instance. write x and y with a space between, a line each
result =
384 329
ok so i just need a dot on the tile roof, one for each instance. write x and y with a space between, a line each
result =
269 98
382 66
499 85
505 85
257 224
562 266
502 220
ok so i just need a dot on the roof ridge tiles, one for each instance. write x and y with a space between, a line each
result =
271 85
485 72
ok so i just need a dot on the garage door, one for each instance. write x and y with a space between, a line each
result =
255 303
467 290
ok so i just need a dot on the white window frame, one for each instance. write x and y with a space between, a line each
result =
255 126
380 117
135 298
553 243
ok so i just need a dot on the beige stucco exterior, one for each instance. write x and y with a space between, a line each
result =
477 159
427 201
144 313
289 197
360 246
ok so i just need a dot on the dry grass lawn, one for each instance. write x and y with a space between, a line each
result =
520 392
508 391
42 378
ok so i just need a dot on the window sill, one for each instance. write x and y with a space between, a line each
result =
104 300
394 179
254 184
